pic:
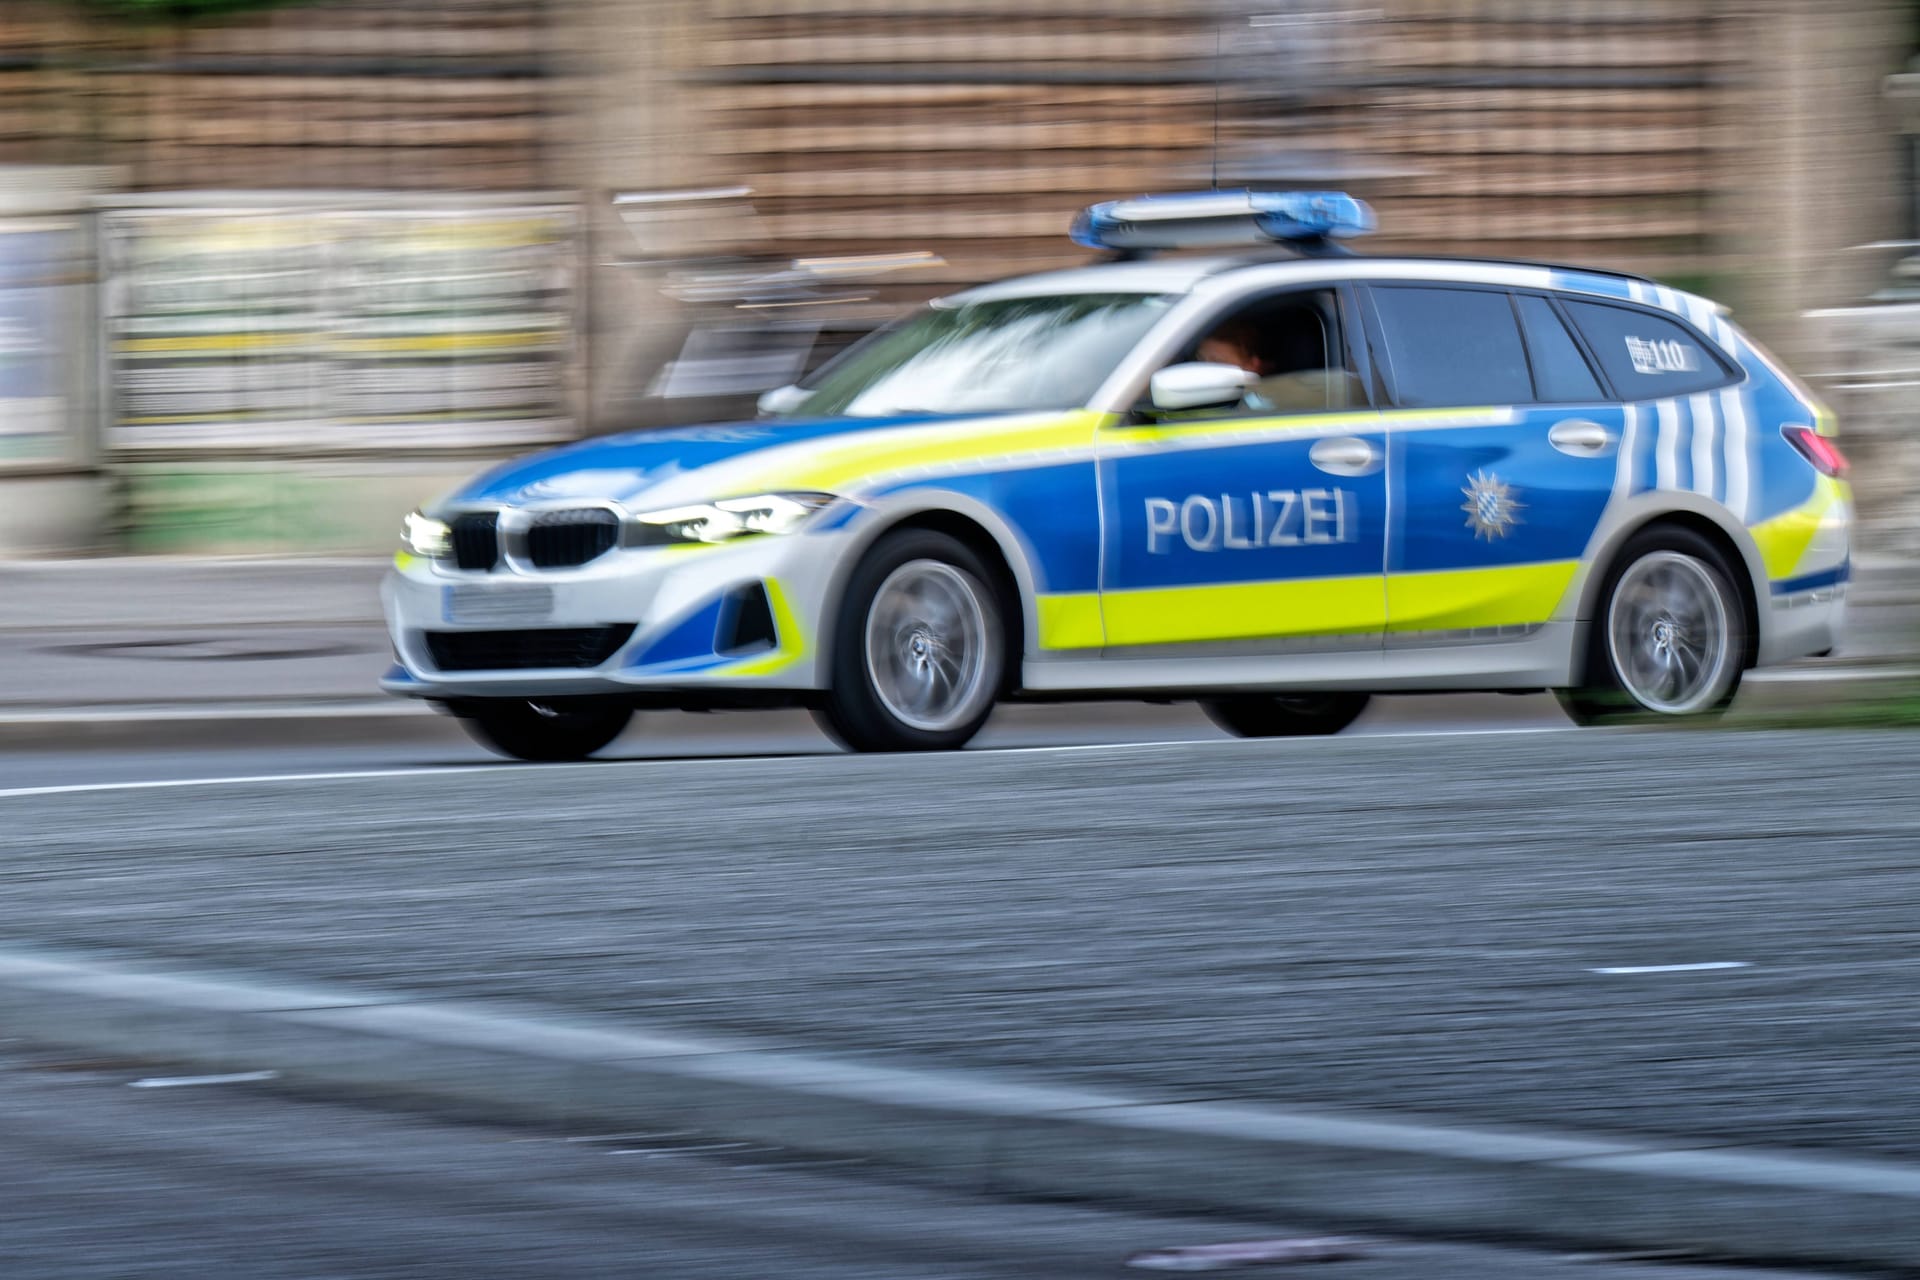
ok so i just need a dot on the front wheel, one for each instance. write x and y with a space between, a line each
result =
920 649
1670 639
544 731
1286 715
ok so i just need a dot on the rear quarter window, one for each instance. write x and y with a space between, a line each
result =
1648 356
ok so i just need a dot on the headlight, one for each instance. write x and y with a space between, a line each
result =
728 519
425 536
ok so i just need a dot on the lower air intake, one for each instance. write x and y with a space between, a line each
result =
549 648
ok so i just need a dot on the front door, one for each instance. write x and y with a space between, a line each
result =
1260 527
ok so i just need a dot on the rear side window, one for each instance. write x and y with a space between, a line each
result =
1647 356
1560 373
1452 347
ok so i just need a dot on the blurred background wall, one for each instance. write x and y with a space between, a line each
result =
325 256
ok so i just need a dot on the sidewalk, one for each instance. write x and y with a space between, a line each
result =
97 649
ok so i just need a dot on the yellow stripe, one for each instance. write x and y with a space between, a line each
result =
1783 540
409 342
1070 621
1245 610
871 457
171 419
1368 420
1447 600
403 561
1175 431
786 625
864 459
450 341
218 342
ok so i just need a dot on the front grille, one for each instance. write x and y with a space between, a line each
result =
557 539
476 540
549 647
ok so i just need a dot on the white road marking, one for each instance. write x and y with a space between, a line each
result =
162 784
431 771
1675 968
1247 1253
184 1082
1825 675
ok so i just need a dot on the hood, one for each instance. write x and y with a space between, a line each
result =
631 466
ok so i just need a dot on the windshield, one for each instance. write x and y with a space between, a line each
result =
987 357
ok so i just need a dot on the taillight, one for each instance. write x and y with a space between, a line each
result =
1822 452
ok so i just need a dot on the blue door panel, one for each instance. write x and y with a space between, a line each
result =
1260 512
1532 503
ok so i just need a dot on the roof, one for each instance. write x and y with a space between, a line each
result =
1174 275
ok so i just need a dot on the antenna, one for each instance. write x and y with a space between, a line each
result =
1219 30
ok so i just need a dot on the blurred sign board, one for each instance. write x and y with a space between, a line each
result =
332 328
35 272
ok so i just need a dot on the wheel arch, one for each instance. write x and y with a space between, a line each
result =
1707 520
975 526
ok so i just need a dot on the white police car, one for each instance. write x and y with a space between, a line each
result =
1273 481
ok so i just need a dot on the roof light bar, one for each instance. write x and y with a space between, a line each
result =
1222 218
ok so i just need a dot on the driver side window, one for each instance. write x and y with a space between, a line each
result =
1294 346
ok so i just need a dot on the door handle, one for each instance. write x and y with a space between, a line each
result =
1345 456
1581 438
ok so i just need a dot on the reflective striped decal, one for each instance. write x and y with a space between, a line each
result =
1739 461
1705 438
1667 453
1623 479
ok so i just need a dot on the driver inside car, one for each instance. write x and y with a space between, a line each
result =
1288 352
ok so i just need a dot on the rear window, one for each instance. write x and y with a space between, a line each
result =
1452 347
1648 356
1560 372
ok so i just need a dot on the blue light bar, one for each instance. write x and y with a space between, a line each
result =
1217 218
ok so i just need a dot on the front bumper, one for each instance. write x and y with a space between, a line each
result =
685 606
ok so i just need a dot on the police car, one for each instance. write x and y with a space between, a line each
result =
1274 480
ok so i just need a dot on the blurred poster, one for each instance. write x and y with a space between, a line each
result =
331 329
32 359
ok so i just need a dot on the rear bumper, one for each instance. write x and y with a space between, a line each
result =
1802 623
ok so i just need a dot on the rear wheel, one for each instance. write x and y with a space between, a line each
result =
920 653
544 731
1670 639
1286 715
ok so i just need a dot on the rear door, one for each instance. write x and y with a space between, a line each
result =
1501 458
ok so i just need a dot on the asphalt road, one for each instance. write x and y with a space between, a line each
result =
99 1179
1398 923
677 736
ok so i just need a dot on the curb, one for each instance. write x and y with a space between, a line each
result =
266 724
988 1132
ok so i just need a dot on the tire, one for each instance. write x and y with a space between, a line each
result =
920 647
1286 715
541 731
1670 638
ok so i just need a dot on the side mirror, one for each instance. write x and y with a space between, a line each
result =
782 400
1199 386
